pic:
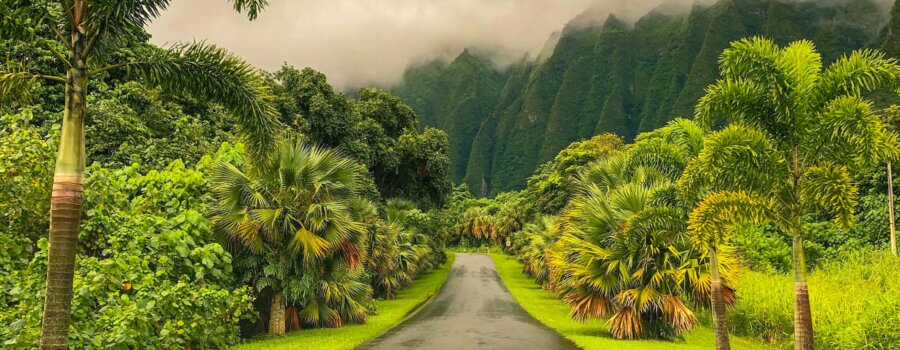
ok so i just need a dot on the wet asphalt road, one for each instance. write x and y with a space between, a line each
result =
473 310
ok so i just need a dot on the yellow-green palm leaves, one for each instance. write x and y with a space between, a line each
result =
300 217
537 238
300 206
625 252
399 250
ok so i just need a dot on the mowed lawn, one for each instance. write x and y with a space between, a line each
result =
390 312
590 335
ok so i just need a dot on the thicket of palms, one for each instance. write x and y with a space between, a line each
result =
797 128
298 217
398 250
84 36
626 251
494 225
532 243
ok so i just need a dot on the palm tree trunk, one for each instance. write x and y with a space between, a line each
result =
276 314
65 203
803 328
890 183
718 304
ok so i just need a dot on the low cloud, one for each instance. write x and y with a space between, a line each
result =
371 42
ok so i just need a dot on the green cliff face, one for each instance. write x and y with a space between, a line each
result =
609 77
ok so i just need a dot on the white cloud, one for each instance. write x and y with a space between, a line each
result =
365 42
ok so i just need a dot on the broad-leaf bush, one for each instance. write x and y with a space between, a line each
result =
150 275
26 163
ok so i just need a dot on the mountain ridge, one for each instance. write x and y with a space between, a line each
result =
608 77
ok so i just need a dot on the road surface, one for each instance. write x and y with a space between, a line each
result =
473 310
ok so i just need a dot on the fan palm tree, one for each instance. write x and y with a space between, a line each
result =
398 249
625 258
299 212
507 220
626 252
476 224
816 121
83 36
384 250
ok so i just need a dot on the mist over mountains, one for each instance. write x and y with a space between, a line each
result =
626 73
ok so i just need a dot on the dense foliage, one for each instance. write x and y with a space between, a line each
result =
377 129
161 261
225 202
855 306
151 274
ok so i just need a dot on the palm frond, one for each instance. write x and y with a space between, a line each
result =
762 164
211 73
715 218
829 187
849 131
861 71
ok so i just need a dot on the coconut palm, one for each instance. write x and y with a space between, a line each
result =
83 36
816 121
299 212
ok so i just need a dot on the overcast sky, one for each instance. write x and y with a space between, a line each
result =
365 42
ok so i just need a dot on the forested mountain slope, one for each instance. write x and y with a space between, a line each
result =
608 76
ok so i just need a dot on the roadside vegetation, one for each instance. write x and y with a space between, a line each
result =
591 334
388 314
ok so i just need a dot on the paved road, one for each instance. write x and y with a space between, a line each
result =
473 310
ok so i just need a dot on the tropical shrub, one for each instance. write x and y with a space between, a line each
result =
151 275
763 248
26 163
131 123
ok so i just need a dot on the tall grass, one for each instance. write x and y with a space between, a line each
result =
855 303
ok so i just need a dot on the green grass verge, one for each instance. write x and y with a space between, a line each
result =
390 312
592 334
